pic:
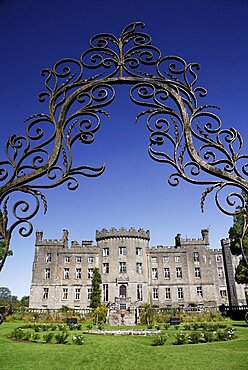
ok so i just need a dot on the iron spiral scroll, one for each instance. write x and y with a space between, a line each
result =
183 133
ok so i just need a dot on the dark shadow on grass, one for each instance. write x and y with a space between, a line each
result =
240 324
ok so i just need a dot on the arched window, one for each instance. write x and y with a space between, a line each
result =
123 291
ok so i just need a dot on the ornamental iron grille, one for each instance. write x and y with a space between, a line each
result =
183 133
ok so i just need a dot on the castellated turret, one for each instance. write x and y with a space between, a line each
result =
122 233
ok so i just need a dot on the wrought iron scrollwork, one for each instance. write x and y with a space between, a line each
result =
184 134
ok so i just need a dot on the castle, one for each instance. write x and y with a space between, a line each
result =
187 274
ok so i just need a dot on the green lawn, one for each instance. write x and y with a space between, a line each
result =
128 352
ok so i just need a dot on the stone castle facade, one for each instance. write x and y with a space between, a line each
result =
189 273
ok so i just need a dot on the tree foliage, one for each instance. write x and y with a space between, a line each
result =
239 244
11 301
96 291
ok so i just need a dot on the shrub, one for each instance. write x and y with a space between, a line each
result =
100 326
61 338
231 333
204 325
78 339
27 335
89 326
17 333
157 326
187 326
195 337
37 328
100 314
195 325
181 338
48 337
221 335
225 334
53 327
208 336
159 339
62 327
35 337
166 325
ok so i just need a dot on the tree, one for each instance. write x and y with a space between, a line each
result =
96 291
6 299
238 235
24 301
5 292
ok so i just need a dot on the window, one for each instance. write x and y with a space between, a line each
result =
105 252
105 292
177 258
138 251
197 272
67 259
199 291
90 259
65 293
47 273
196 257
179 272
66 273
153 259
105 268
220 271
122 251
154 273
218 258
89 293
49 257
78 259
180 293
122 267
165 259
78 273
77 294
139 292
167 293
45 293
155 293
139 268
123 291
223 292
90 273
166 272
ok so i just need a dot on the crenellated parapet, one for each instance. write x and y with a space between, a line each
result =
63 242
179 241
122 233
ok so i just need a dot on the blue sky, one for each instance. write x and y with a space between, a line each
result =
133 191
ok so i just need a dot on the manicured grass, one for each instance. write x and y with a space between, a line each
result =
119 353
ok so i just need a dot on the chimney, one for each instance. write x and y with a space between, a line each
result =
205 236
65 238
